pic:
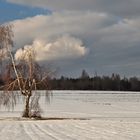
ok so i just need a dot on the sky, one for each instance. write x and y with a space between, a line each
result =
100 36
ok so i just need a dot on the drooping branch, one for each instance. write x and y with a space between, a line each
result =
24 74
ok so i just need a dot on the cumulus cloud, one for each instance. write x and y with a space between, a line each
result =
79 24
112 43
121 8
64 47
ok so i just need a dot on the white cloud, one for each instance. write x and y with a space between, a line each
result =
52 29
63 48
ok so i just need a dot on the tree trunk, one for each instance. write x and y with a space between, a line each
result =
26 112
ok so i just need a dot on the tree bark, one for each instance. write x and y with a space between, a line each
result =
26 112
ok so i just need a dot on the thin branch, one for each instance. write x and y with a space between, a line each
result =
15 70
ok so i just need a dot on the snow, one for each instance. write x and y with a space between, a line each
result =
69 130
77 115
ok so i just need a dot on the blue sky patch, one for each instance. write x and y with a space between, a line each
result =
9 11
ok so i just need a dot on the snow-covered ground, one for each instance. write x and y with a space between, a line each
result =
93 115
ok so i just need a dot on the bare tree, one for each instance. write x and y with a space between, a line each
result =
24 74
6 41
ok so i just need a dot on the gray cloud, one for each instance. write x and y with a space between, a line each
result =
121 8
82 25
113 43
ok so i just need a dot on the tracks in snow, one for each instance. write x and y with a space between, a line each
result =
69 130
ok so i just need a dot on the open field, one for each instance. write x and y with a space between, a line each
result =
70 130
77 116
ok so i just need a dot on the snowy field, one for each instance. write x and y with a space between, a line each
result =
77 115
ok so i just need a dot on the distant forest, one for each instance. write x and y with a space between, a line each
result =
85 82
114 82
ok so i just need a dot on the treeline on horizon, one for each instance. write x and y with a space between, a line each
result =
114 83
85 82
